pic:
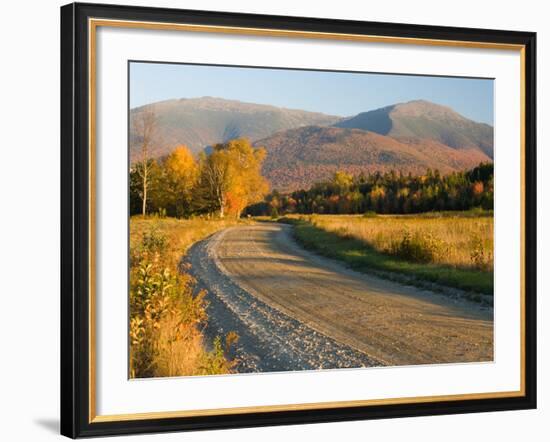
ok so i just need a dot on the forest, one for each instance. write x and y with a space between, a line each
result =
387 193
228 182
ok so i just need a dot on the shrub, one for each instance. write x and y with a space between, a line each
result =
370 214
153 241
165 317
481 258
417 248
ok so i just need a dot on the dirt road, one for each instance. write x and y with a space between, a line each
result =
295 310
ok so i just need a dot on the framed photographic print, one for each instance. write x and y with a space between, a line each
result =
278 220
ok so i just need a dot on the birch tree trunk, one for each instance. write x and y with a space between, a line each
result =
145 126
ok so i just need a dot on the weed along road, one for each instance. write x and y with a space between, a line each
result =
295 310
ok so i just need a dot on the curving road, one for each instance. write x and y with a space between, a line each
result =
295 310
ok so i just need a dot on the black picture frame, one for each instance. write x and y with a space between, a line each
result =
75 221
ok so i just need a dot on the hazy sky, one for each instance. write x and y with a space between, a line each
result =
336 93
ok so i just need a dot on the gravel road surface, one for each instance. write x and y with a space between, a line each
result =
294 310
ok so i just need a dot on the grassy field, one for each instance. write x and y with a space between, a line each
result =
166 313
180 234
452 249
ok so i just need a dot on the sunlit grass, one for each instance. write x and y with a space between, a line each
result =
166 311
180 234
455 250
455 241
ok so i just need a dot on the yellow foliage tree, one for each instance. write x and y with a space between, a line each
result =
231 179
342 180
181 173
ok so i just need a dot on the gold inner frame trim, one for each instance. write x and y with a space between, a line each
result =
93 24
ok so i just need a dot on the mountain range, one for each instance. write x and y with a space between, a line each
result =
305 147
201 122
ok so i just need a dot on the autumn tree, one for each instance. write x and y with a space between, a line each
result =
230 178
214 182
154 196
144 126
180 176
248 186
342 181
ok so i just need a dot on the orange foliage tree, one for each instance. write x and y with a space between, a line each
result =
230 178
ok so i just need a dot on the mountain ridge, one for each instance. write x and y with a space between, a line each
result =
304 147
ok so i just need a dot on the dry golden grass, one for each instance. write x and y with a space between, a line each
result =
460 241
165 313
180 234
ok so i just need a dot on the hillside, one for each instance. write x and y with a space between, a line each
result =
200 122
304 147
423 119
298 157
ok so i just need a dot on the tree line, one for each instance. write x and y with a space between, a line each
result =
387 193
224 182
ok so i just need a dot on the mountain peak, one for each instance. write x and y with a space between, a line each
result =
426 109
424 119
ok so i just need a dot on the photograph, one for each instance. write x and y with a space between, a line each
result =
296 219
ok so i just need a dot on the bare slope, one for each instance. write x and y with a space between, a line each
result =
423 119
200 122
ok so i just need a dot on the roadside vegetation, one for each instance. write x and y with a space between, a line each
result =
451 249
167 313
